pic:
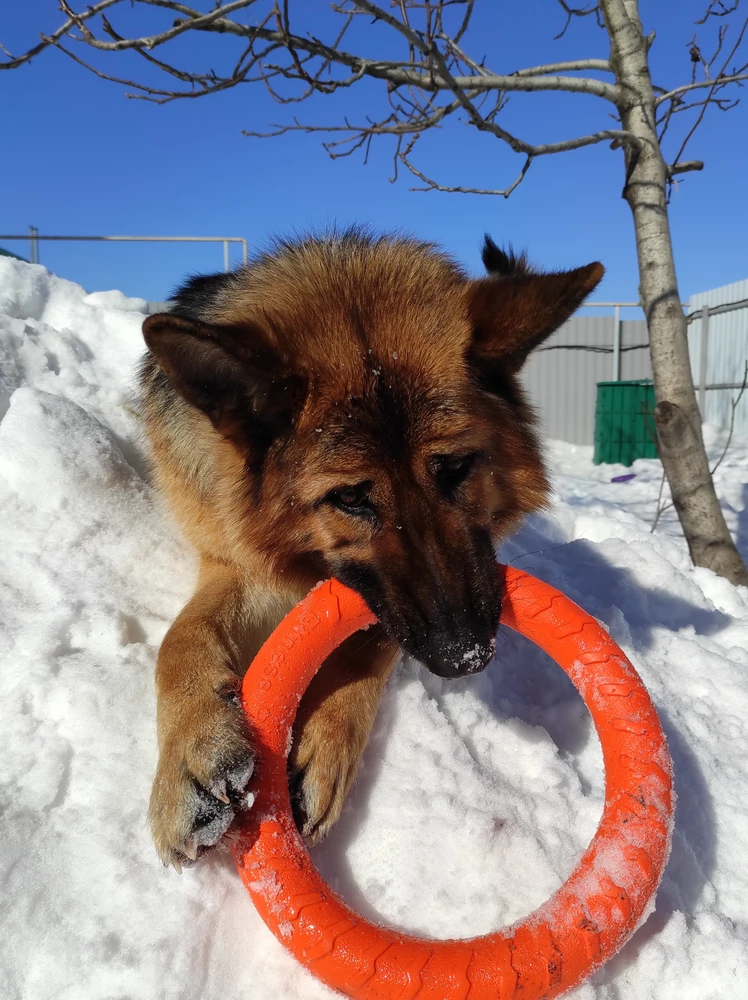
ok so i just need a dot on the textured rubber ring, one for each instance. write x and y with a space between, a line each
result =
553 949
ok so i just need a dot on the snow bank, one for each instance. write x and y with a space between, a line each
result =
476 797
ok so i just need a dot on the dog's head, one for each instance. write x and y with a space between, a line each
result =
371 388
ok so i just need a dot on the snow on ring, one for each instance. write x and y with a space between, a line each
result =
553 949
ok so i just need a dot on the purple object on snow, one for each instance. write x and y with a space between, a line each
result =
624 479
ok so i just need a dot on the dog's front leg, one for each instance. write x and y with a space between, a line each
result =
333 725
205 749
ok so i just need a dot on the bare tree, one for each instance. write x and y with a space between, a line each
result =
432 77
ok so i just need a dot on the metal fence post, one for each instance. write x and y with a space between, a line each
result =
33 245
226 261
703 361
617 344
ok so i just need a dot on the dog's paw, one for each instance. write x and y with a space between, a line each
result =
322 767
200 785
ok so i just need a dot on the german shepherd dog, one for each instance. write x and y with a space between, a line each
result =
346 406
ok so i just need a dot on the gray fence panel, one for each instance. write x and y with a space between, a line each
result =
635 360
561 377
727 353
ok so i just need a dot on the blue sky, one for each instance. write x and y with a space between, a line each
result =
79 157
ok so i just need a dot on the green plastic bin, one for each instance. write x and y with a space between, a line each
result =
624 422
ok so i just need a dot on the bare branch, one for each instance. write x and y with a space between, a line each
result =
660 507
455 49
432 185
716 85
465 21
685 167
402 27
388 126
720 81
196 23
396 73
717 8
393 126
46 41
571 12
601 65
733 407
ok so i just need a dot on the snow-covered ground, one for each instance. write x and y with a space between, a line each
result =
476 797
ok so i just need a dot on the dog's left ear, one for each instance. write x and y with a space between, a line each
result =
515 313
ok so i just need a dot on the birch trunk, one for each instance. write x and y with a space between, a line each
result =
677 416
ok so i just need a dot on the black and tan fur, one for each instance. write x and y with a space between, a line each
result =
346 406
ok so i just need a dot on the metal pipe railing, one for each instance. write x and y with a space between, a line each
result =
34 236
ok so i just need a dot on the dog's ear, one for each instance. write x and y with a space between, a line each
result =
515 309
227 372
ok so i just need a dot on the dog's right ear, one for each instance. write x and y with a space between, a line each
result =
229 373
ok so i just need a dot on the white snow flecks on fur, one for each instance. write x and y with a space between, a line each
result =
477 797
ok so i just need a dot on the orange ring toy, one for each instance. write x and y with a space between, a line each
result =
556 947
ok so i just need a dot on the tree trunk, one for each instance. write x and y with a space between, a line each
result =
677 417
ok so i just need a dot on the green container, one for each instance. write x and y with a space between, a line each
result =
624 422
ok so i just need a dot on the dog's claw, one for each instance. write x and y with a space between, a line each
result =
219 791
189 815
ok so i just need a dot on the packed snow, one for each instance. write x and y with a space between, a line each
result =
476 797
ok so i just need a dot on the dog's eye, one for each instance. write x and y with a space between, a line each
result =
352 499
452 470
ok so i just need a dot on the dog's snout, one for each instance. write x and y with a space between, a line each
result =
446 615
447 658
459 640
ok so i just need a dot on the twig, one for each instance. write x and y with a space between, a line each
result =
714 86
717 8
685 167
733 405
699 85
660 509
576 12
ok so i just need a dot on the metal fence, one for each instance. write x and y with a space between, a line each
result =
562 375
33 238
718 345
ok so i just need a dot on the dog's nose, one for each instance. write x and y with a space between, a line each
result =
446 657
